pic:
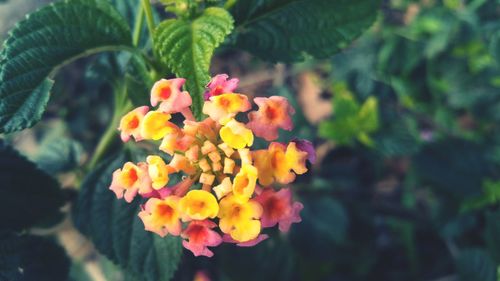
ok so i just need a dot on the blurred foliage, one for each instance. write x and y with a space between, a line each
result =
407 188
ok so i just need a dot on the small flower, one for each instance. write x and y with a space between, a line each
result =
198 205
220 85
169 93
155 125
130 124
158 171
200 236
181 163
236 135
161 216
274 112
240 219
279 209
276 163
130 180
308 147
244 182
176 141
223 107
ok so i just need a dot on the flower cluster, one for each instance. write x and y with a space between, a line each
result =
224 184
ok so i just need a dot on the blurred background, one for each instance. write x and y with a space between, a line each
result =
405 123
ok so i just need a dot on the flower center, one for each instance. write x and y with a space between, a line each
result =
165 93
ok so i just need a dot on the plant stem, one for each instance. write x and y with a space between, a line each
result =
138 25
149 17
121 106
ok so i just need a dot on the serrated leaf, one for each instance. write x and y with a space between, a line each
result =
27 194
43 42
187 48
291 30
475 264
117 231
31 258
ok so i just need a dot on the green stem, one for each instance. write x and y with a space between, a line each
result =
138 25
149 17
110 137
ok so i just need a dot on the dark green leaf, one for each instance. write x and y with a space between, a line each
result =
27 194
138 81
117 231
31 258
454 166
290 30
475 264
59 155
187 48
43 42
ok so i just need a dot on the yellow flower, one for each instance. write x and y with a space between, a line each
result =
161 216
155 125
240 219
158 171
130 124
244 182
236 135
198 205
223 107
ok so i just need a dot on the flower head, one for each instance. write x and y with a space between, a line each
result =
205 189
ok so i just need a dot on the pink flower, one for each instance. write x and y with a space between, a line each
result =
274 112
169 93
220 85
200 236
279 208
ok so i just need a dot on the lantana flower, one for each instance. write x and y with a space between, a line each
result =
227 192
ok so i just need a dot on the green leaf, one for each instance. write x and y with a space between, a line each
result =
290 30
475 264
117 231
455 166
31 258
59 155
350 121
138 80
492 234
324 225
46 40
27 194
187 48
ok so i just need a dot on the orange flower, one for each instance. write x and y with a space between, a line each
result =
223 107
130 124
274 112
130 180
161 216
